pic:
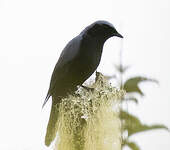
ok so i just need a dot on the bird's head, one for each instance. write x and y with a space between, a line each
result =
101 29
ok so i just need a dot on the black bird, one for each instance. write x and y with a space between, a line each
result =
77 62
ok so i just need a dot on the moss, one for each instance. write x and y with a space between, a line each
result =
89 120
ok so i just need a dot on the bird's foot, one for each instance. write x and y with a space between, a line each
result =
88 88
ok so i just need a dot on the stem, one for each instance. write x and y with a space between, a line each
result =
121 65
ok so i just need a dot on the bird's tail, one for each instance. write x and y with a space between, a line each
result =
52 124
46 99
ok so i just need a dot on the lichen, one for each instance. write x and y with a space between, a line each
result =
89 119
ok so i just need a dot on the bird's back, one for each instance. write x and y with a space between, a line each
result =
77 62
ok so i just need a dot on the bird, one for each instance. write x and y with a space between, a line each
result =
77 62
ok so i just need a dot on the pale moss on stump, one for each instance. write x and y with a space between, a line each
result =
89 120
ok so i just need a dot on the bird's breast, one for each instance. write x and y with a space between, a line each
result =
86 63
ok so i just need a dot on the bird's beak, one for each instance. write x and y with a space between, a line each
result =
118 35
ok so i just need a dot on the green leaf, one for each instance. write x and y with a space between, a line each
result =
131 145
121 68
132 84
133 125
131 98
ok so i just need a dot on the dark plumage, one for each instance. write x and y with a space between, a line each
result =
77 62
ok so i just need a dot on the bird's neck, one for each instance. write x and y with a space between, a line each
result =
95 42
92 49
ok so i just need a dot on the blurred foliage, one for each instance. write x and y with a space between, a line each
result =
131 84
131 124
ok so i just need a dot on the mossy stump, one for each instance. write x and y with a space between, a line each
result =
89 119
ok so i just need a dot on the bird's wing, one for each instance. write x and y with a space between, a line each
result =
66 58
